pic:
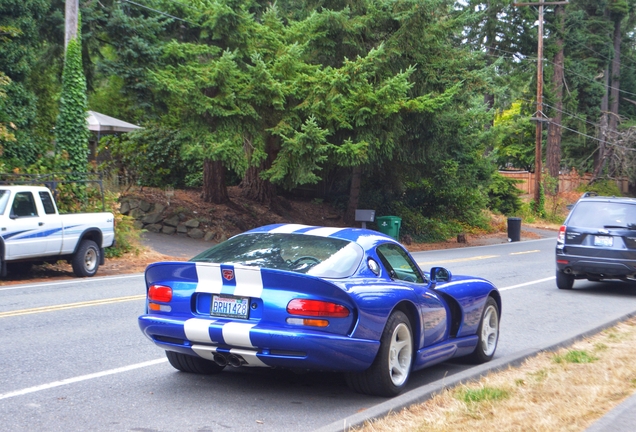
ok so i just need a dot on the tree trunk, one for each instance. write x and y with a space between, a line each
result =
609 109
553 148
616 78
253 186
354 195
71 21
214 187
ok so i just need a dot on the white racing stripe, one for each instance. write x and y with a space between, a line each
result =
249 356
237 334
81 378
210 279
249 282
207 352
323 231
288 228
198 330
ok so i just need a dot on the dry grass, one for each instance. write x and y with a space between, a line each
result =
565 391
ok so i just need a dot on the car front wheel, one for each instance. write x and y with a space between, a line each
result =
488 333
564 281
391 368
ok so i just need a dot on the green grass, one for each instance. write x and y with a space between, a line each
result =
575 356
484 394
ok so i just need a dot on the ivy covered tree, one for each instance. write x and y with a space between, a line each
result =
71 130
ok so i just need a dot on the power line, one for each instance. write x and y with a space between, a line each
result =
158 11
574 116
565 69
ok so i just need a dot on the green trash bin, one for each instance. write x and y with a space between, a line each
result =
389 225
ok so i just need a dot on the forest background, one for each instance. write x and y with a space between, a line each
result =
409 107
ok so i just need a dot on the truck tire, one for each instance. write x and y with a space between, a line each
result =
86 259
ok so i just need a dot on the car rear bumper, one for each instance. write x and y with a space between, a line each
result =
582 266
247 344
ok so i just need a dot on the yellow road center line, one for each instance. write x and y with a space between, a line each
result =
70 306
525 252
476 258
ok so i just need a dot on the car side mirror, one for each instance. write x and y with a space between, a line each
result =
440 274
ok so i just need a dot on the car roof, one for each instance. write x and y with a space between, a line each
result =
625 200
364 237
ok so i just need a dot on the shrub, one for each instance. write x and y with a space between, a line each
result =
503 195
150 157
601 187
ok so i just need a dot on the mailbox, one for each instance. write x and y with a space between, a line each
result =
365 216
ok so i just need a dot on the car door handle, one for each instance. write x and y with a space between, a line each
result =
40 223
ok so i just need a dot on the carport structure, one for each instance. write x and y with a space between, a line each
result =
101 124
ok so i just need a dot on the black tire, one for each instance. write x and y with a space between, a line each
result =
191 364
391 368
564 281
86 260
488 333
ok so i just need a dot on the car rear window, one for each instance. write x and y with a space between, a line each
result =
595 214
317 256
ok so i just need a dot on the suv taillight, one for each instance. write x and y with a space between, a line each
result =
561 237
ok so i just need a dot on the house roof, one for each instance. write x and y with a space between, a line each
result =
102 123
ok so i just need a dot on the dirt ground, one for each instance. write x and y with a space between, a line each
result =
238 216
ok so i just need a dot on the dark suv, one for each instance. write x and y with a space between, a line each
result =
597 241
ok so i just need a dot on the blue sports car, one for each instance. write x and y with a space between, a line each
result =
318 298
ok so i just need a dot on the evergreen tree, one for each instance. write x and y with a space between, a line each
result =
20 48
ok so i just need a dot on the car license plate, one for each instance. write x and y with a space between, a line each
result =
603 241
230 307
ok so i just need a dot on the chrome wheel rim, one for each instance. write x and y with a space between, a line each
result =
400 354
90 259
489 330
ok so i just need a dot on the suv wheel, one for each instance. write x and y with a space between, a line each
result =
564 281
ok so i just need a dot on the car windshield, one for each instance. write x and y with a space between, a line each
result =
4 199
317 256
595 214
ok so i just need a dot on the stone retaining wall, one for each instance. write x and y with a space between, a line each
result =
159 218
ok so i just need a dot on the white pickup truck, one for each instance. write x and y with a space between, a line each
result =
31 230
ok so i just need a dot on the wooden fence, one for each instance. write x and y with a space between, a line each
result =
567 182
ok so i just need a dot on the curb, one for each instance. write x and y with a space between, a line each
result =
426 392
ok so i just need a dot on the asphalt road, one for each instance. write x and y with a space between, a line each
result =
74 359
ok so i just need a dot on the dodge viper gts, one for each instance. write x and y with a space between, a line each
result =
318 298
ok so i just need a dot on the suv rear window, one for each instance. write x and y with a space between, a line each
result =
596 214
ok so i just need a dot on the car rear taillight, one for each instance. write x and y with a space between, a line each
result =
159 293
317 308
561 237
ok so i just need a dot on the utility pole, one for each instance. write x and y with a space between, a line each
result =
539 117
70 19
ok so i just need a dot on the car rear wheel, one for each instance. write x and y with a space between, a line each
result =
86 260
564 281
391 368
191 364
488 333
